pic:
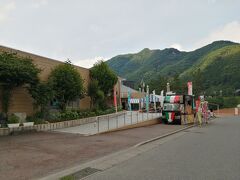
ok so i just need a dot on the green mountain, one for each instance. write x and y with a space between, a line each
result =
218 64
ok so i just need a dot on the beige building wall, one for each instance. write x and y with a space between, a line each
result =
21 100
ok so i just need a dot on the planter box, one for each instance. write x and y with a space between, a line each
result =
14 125
27 124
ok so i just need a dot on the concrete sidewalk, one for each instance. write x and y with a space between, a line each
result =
37 155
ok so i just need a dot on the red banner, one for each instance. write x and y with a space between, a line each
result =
115 98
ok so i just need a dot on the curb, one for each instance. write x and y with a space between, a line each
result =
163 136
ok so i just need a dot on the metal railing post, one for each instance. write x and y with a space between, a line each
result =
131 117
124 119
98 124
142 116
137 116
117 121
108 122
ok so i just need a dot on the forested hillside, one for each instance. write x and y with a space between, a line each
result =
212 68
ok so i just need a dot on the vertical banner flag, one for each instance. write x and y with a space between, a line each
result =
162 98
154 100
115 97
147 99
190 92
129 103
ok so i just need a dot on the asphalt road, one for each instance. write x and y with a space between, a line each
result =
211 152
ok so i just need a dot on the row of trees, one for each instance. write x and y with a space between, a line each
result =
177 84
64 83
201 85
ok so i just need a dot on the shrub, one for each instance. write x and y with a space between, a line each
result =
230 102
69 115
38 118
13 119
224 102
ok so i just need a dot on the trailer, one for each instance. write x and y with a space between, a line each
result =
178 109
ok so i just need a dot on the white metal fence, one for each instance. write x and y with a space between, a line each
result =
109 122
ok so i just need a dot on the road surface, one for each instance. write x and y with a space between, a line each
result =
211 152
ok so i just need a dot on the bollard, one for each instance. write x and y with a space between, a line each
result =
236 112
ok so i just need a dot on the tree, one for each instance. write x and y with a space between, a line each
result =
97 95
197 82
105 76
42 94
158 84
15 71
67 84
178 85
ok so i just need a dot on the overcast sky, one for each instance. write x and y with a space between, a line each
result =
87 30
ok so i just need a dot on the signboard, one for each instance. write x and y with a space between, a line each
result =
129 101
190 92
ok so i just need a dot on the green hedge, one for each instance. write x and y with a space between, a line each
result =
69 115
225 102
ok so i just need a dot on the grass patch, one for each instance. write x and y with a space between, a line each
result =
69 177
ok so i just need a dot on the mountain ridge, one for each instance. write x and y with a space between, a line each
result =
168 62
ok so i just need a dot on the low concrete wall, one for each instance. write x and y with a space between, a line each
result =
53 126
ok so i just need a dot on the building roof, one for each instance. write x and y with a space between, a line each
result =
9 49
125 89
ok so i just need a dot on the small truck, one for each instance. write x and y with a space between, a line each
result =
178 109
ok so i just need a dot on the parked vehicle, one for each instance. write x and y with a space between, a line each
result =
178 109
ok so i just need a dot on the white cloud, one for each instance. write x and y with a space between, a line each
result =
5 10
177 46
88 63
39 3
230 31
212 1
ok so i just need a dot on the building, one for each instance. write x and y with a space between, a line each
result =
22 102
128 83
125 91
